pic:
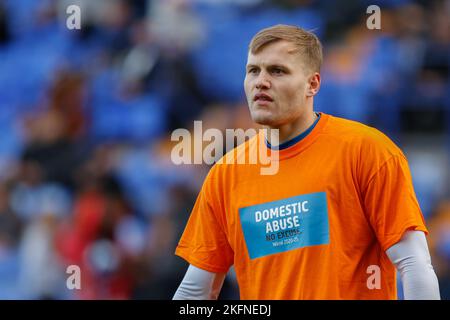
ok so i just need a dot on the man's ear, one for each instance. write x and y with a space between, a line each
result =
313 84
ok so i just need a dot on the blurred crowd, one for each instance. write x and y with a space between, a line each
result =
86 117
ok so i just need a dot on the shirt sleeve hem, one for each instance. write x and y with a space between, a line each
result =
398 236
199 264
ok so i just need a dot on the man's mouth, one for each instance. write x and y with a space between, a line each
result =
262 97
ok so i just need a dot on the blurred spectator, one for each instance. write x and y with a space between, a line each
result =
10 224
41 272
49 148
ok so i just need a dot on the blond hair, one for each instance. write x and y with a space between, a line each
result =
306 43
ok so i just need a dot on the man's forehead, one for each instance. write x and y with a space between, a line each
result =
279 52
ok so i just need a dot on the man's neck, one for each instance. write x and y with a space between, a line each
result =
291 130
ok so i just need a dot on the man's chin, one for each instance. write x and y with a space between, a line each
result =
264 117
264 120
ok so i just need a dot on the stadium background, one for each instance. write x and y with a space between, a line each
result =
86 117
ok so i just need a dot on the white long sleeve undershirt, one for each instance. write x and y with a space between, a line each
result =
412 259
199 284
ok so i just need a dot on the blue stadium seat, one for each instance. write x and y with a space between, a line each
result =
140 119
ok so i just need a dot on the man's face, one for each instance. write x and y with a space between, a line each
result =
276 84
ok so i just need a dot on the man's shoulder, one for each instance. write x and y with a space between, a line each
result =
363 136
352 127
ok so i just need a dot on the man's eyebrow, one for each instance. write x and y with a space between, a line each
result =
278 65
273 65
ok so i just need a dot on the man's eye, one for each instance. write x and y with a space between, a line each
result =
252 70
278 71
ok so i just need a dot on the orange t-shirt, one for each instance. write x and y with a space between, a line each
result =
341 197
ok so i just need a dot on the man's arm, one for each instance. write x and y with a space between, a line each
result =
199 284
412 259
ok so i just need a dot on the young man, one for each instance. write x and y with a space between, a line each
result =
336 220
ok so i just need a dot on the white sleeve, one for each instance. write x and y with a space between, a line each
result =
412 259
199 284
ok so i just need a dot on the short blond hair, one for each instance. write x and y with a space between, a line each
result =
307 43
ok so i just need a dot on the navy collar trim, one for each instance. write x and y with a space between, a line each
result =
296 139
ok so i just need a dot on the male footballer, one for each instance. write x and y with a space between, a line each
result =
336 221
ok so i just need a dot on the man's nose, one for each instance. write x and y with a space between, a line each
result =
262 82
